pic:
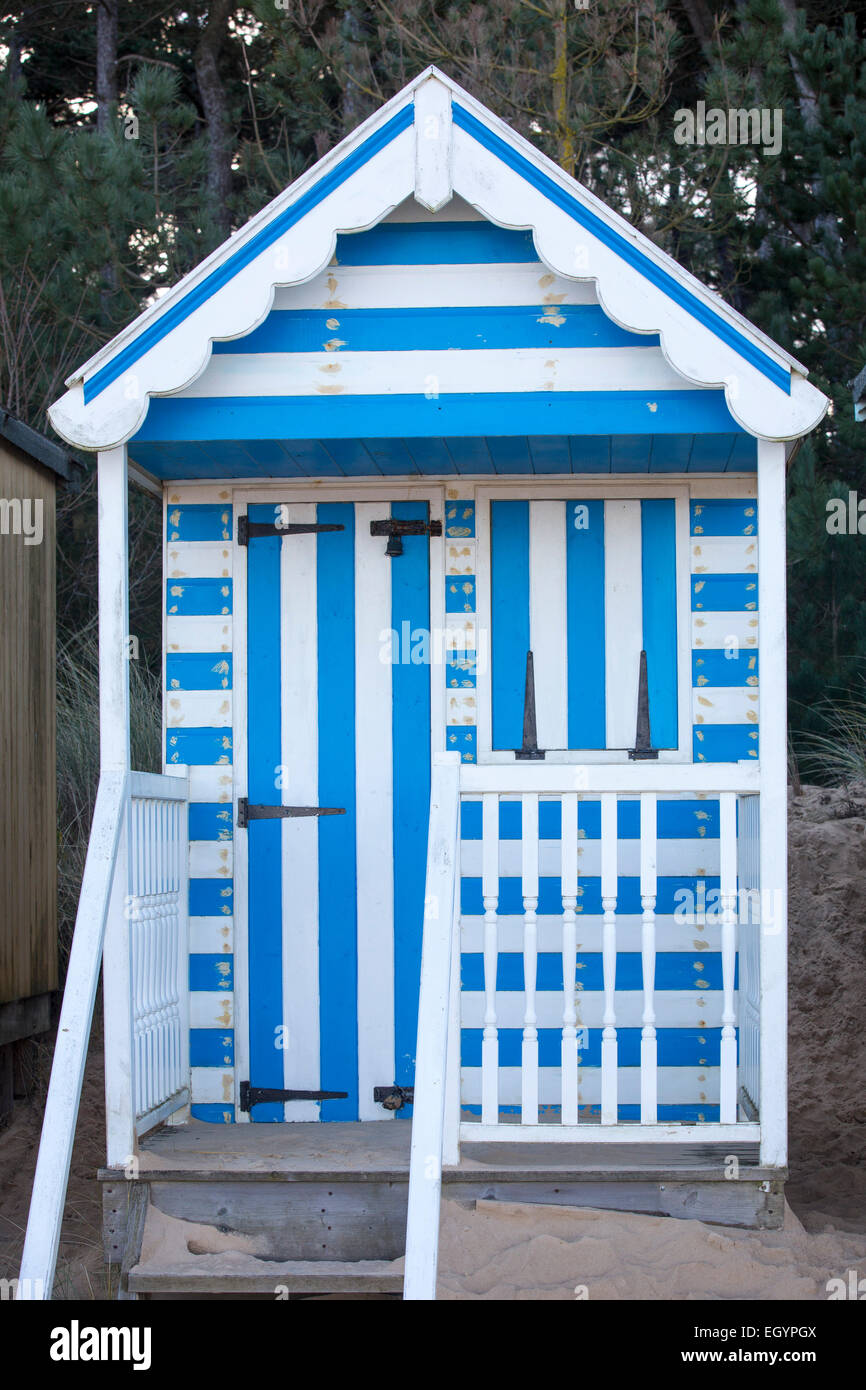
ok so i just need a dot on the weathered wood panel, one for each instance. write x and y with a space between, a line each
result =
28 837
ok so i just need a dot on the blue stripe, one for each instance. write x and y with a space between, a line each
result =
199 522
410 602
674 891
264 844
315 417
338 922
198 598
210 820
585 643
677 1047
198 747
463 739
724 743
211 1047
716 593
716 667
460 593
509 611
677 820
211 897
435 329
226 272
431 243
214 1114
723 517
211 972
198 671
659 598
674 970
649 269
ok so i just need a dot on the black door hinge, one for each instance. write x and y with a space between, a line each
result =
395 530
394 1097
248 530
246 812
258 1095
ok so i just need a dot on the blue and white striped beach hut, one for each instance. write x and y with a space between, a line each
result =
467 486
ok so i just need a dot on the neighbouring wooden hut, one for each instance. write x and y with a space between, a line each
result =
31 467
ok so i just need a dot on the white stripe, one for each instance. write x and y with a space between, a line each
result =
718 630
431 286
210 783
724 554
675 857
676 1086
199 560
198 709
671 935
300 836
547 621
210 859
211 935
623 618
447 371
676 1008
723 704
374 817
212 1086
185 634
210 1008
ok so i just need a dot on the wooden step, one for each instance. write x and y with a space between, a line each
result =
254 1276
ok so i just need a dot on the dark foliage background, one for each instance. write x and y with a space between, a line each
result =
135 136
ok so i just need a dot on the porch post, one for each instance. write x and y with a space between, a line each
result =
114 756
773 804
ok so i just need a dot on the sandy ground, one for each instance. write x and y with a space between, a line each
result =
507 1251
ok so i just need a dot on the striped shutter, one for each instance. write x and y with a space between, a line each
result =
585 586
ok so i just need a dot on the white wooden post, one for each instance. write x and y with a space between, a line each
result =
648 1042
490 894
529 876
569 960
425 1159
609 890
114 754
728 902
774 803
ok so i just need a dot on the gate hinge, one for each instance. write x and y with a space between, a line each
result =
247 529
394 1097
258 1095
246 812
395 530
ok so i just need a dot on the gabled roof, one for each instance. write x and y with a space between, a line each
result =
431 141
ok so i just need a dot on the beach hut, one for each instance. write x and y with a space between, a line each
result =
31 467
466 872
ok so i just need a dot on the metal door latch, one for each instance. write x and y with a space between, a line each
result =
395 530
248 530
394 1097
246 812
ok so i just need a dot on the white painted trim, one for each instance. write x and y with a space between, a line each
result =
631 778
548 621
473 1133
113 610
300 838
240 786
773 1106
433 140
623 620
374 814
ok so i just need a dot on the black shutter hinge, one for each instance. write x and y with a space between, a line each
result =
248 530
246 812
258 1095
394 1097
395 530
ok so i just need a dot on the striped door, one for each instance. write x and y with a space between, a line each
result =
338 716
585 586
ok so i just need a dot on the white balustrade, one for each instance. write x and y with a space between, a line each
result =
728 902
609 890
648 1042
529 875
570 1082
490 895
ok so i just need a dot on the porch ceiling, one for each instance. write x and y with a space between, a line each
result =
501 455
